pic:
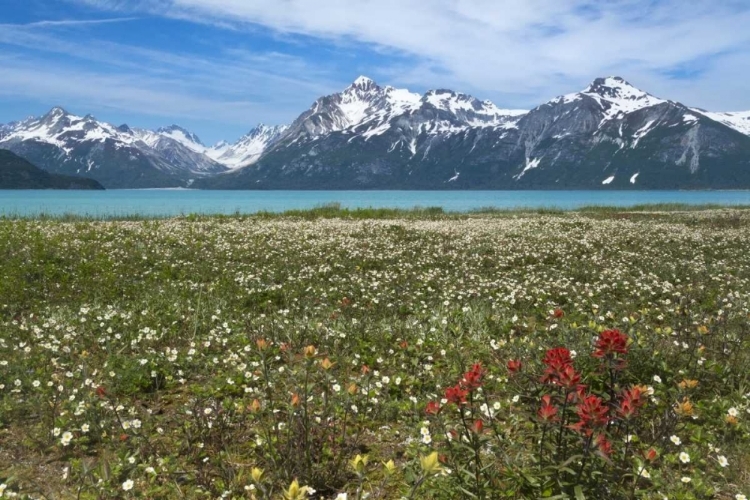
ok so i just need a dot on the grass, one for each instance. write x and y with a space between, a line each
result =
336 211
377 353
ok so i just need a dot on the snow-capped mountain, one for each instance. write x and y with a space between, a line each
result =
609 135
61 142
366 109
184 137
248 148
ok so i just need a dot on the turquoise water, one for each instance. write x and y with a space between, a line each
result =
161 202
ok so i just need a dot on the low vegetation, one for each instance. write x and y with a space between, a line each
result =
589 355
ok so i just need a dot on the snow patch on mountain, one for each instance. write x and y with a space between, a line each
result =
738 120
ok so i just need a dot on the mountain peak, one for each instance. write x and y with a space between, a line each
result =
180 135
55 112
615 87
363 83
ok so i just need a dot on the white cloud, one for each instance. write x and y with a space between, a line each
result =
69 22
233 86
531 48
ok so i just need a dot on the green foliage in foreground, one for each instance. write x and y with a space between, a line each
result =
395 357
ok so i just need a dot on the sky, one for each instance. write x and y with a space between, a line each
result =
220 67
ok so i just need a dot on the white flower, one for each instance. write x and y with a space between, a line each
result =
675 440
426 439
657 379
740 496
85 428
207 411
66 438
733 412
644 473
722 460
685 479
150 470
127 485
684 457
3 486
341 496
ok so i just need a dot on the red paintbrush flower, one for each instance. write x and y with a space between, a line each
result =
433 408
593 413
473 378
548 411
514 366
609 343
456 394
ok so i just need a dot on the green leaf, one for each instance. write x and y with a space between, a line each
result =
578 490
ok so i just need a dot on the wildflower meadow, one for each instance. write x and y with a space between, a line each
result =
591 355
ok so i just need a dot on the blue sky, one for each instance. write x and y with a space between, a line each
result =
219 67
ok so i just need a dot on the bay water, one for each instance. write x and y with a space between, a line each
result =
172 202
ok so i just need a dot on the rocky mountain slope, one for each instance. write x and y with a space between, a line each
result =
17 173
609 135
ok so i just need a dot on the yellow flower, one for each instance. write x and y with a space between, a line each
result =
256 474
430 463
358 463
295 491
310 351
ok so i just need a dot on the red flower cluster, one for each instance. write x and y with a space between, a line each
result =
609 343
593 414
558 313
514 366
548 411
470 381
433 408
560 369
631 400
473 378
457 394
604 445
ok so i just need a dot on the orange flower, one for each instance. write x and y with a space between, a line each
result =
262 344
684 407
326 364
688 384
295 400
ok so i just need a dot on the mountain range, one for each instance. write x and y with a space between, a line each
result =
610 135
